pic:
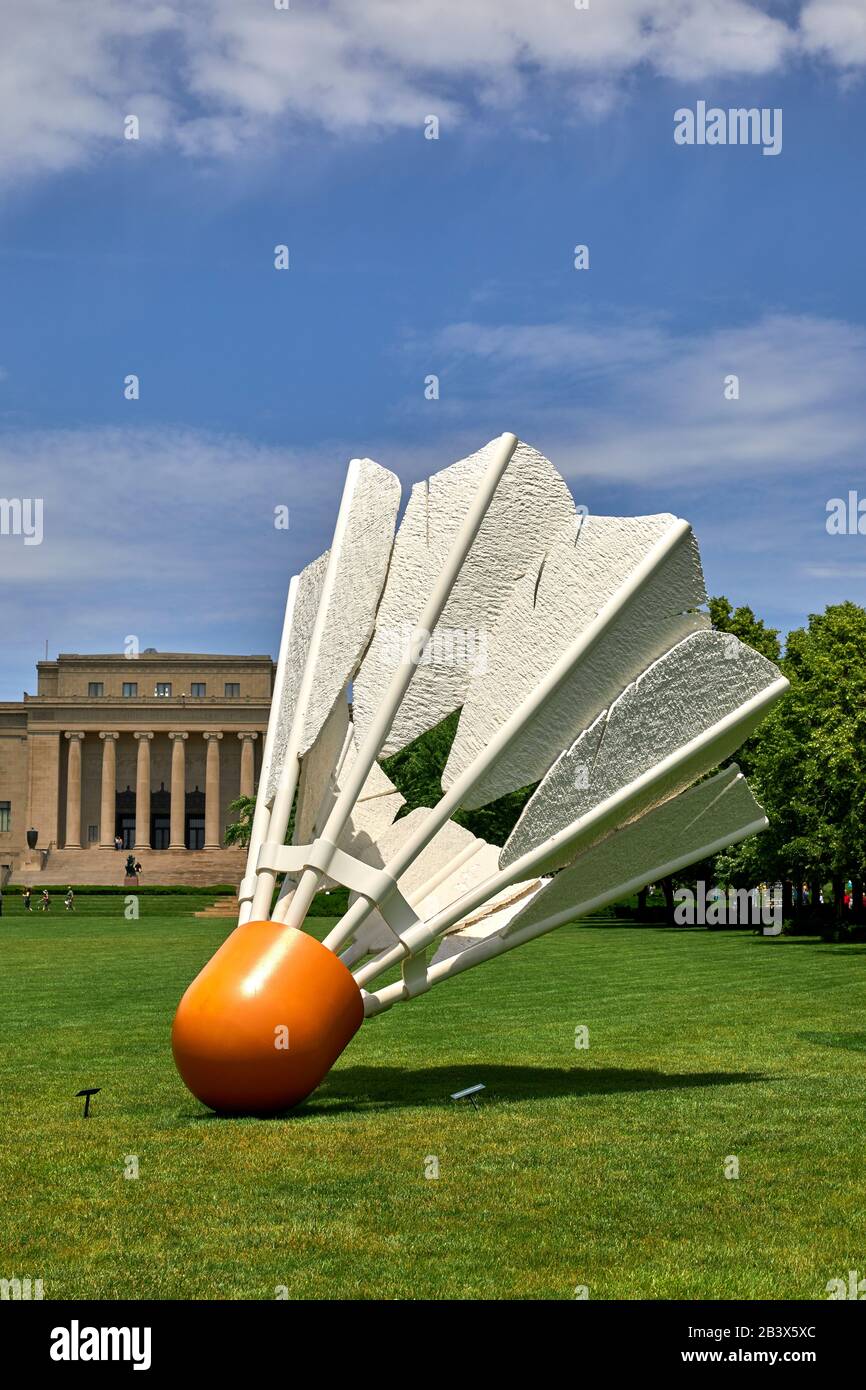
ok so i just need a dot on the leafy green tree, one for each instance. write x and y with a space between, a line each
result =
244 807
807 762
416 772
238 833
743 624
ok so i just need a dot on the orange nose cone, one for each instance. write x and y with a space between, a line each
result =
265 1020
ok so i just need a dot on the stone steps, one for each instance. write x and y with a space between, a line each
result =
106 866
223 907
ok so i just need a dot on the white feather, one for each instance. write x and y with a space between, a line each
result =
688 712
541 630
531 508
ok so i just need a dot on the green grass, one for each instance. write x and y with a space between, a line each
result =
601 1168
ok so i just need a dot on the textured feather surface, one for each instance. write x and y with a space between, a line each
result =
719 808
378 803
544 618
531 508
316 781
310 583
350 588
492 922
452 863
322 769
681 697
683 829
591 628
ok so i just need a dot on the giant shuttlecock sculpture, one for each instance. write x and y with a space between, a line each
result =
578 652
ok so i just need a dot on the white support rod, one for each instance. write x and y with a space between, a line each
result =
517 721
417 895
285 794
499 943
288 888
608 812
381 723
278 820
262 814
281 907
414 898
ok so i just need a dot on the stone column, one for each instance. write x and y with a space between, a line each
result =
142 793
43 800
212 837
73 792
178 791
248 764
108 802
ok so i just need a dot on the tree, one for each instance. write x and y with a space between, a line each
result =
238 833
743 624
807 762
244 807
416 772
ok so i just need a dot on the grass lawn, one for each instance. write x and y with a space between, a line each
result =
601 1167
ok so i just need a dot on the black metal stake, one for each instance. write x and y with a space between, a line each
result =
87 1093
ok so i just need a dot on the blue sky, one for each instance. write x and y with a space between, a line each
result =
409 257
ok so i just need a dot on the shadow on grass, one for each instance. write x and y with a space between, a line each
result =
396 1088
851 1042
365 1090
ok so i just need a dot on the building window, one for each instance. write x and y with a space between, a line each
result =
162 688
92 834
5 815
95 688
233 690
199 689
130 690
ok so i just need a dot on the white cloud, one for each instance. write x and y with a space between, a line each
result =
158 504
166 533
67 75
633 414
841 570
555 346
835 30
645 402
219 79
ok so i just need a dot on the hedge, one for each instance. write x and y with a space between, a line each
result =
143 891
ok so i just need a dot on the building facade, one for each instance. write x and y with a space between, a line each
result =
150 749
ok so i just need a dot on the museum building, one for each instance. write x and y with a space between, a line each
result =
149 750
